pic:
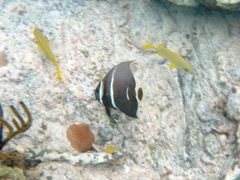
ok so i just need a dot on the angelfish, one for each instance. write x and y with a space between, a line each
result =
117 90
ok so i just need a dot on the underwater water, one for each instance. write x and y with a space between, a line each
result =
53 55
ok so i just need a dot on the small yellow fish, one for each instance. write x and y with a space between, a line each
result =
176 61
43 45
110 149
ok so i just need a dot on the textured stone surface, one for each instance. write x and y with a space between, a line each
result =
186 127
232 5
190 3
233 106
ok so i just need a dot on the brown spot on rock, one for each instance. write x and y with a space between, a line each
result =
3 59
80 137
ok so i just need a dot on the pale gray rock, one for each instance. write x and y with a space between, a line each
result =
82 159
190 3
212 144
221 4
105 133
233 106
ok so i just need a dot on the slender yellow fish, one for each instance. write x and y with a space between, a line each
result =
43 45
176 61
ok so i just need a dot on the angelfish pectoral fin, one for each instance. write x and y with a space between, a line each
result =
108 111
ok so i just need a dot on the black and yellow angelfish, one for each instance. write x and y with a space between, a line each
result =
117 90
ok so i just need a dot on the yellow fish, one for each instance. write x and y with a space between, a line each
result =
110 149
43 45
176 61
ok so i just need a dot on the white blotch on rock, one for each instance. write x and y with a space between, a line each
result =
233 5
233 106
190 3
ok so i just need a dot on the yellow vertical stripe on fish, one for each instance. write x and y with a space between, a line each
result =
43 45
174 58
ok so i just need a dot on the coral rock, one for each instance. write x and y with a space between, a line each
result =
80 137
233 106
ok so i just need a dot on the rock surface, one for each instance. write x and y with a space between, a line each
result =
232 5
186 127
233 106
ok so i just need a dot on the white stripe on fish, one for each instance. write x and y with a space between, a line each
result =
101 92
127 93
111 89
